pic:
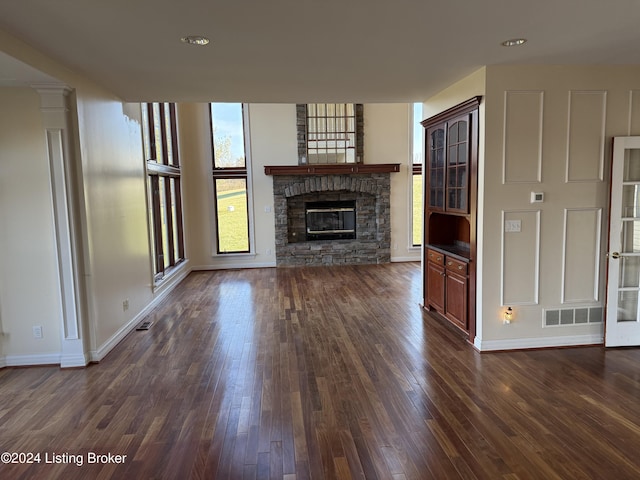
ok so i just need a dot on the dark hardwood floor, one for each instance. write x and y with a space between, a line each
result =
322 373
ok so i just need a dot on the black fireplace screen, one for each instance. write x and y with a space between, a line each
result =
331 220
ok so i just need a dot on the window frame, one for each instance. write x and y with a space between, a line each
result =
416 169
222 173
157 167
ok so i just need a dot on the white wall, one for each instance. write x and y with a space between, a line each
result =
387 139
29 284
549 129
116 213
115 238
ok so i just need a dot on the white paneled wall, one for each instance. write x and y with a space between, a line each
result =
581 266
522 141
548 129
586 136
521 258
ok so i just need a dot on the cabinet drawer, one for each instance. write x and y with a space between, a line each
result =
435 257
456 266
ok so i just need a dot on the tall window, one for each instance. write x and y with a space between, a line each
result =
230 177
160 141
330 132
417 151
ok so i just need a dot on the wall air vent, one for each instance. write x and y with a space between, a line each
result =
144 325
563 317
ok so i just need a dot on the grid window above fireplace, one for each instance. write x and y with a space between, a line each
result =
330 133
330 220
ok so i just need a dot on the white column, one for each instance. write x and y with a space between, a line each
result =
55 115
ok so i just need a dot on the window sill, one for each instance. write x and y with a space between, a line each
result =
233 255
172 275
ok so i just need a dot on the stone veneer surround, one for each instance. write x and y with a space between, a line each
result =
373 219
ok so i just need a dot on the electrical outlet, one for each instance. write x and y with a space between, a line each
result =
125 305
37 331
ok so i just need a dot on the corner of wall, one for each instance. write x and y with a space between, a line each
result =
100 352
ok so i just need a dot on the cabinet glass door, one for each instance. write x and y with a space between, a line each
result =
436 167
457 165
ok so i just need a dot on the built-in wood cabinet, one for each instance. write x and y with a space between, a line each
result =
456 292
451 155
447 287
435 278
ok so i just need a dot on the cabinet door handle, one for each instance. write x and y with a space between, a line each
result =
439 258
449 263
459 267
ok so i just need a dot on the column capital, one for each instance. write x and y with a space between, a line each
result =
53 96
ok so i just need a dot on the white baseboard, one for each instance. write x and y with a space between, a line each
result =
105 348
31 360
74 360
544 342
405 259
204 268
3 361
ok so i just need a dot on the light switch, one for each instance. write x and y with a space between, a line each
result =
512 225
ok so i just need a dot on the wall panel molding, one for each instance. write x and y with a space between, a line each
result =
54 107
634 113
520 259
582 233
522 136
587 117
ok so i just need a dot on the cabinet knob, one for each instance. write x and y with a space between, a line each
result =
449 263
459 267
439 258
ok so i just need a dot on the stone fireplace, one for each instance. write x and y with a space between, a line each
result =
368 192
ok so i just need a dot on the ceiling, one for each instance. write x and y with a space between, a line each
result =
313 50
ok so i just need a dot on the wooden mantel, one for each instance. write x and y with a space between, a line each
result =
332 169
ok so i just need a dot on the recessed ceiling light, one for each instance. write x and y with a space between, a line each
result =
514 42
195 40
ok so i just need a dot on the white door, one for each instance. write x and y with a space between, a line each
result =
623 307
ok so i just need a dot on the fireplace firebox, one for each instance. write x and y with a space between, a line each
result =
333 220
